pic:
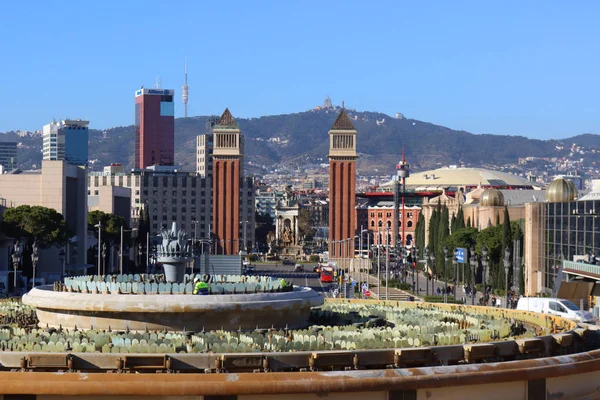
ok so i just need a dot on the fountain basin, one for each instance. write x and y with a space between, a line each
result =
172 311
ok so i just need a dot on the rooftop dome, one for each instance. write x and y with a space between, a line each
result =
561 190
491 198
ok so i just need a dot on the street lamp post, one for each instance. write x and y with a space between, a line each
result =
455 266
426 258
378 271
507 266
99 226
433 277
387 261
104 257
140 253
414 266
34 259
121 248
473 262
446 259
484 263
16 260
62 258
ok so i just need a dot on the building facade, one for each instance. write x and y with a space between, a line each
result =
66 140
60 186
561 228
204 152
168 195
342 189
154 128
8 155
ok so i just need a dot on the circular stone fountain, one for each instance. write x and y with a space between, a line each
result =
140 303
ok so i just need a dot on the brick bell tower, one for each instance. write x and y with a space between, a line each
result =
342 187
227 160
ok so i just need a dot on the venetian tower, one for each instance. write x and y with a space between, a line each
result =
342 187
227 162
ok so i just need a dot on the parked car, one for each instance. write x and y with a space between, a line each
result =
317 268
299 268
287 261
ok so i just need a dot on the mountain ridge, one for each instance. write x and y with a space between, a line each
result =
301 138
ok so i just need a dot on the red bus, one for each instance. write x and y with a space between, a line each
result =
326 274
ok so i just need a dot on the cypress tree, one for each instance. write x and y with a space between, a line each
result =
507 241
460 219
442 234
469 222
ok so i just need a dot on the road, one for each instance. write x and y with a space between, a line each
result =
311 279
306 278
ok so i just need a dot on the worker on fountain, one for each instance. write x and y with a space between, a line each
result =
201 286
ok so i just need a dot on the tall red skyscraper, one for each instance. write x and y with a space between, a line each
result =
154 127
342 187
227 173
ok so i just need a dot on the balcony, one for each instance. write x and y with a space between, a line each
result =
581 269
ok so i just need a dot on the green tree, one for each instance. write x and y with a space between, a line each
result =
306 224
465 238
420 232
442 233
264 225
492 239
469 222
35 223
507 243
111 225
460 218
518 237
39 223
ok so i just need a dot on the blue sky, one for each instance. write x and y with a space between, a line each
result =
513 67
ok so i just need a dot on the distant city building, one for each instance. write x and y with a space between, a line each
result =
154 127
327 103
342 193
265 202
564 227
8 155
576 179
227 181
60 186
204 151
169 195
399 115
66 140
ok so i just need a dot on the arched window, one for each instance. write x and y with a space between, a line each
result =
389 224
409 224
380 224
372 224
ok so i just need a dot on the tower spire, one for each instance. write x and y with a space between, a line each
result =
185 90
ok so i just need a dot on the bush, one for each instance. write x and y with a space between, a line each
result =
398 284
500 292
314 258
440 299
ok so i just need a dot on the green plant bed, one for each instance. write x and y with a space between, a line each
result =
440 299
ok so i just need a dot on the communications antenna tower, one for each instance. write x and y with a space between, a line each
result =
184 91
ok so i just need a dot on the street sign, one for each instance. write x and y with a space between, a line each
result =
461 255
368 293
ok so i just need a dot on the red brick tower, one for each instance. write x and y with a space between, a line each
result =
342 187
227 161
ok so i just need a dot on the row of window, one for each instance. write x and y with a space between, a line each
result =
388 214
409 224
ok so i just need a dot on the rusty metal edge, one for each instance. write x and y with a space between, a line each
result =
46 383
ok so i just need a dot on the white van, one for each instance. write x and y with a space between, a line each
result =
560 307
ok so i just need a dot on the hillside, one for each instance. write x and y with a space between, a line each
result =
301 138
